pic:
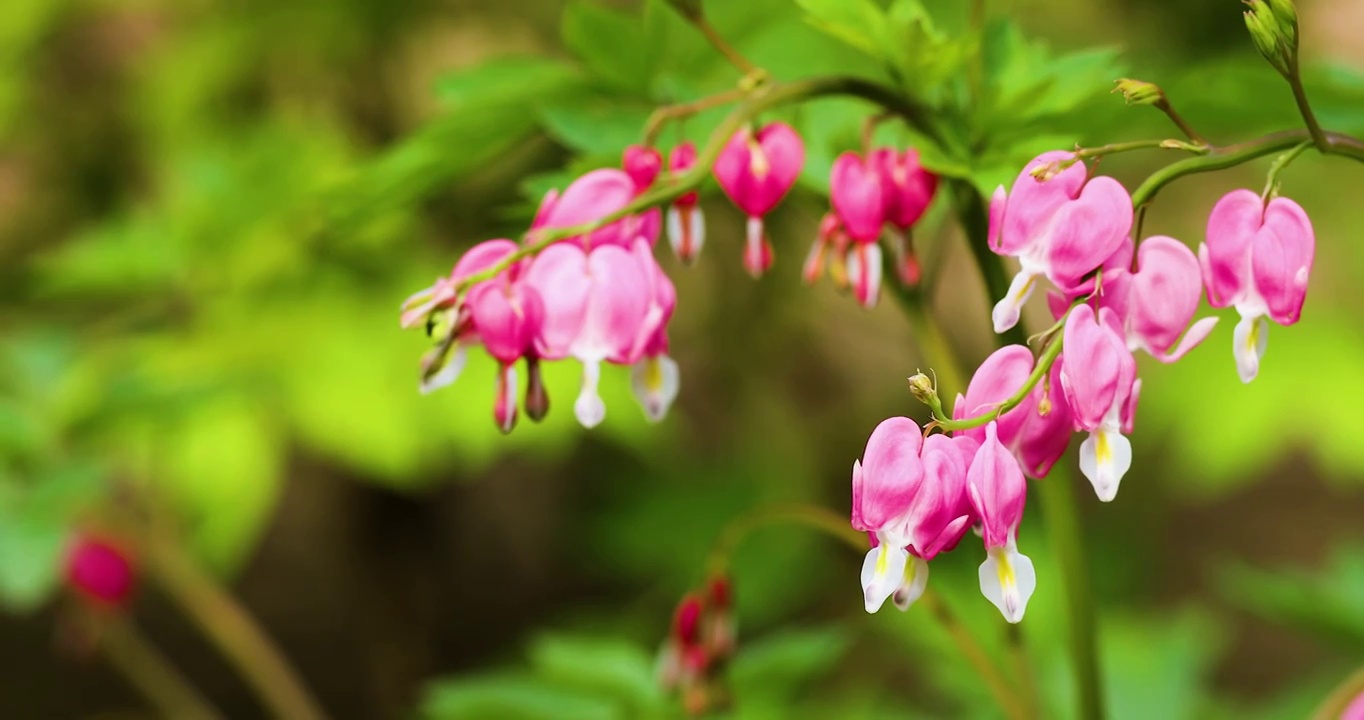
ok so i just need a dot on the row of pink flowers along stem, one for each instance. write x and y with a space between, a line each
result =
602 298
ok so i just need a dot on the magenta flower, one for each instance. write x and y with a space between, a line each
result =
507 317
643 165
998 492
686 224
1257 258
100 570
909 494
1101 386
1062 228
1037 431
1355 710
756 169
909 190
1158 301
595 305
856 192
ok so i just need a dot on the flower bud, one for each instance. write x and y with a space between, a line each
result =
537 396
1139 92
1273 26
100 570
921 387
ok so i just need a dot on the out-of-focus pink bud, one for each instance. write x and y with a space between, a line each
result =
100 570
756 169
1061 228
642 164
856 193
686 224
1257 258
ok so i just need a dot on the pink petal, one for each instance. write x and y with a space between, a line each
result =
507 319
856 192
1166 290
1047 426
1033 203
756 170
591 197
481 257
909 187
1000 376
938 502
642 164
998 490
1281 259
616 306
1097 361
891 473
559 275
1226 256
1086 232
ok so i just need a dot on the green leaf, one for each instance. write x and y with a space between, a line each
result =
1325 602
779 667
1157 667
512 697
599 126
611 44
859 23
612 668
35 522
502 81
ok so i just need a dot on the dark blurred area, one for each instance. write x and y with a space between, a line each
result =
210 211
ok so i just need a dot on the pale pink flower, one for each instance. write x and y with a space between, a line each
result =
756 170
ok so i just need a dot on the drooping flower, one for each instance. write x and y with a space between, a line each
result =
1100 381
909 496
756 169
1037 431
830 246
1257 258
643 165
1061 228
686 224
595 305
507 316
909 189
100 570
858 197
1158 300
998 491
654 377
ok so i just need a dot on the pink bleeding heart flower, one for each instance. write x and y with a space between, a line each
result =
856 192
101 570
909 494
909 189
1062 228
756 169
998 492
654 377
507 317
643 165
591 197
1355 710
831 246
1158 301
686 224
1037 431
1257 258
1101 386
595 303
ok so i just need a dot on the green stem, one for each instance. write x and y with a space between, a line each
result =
1281 162
1063 529
1121 147
937 351
227 624
974 216
1027 680
836 526
144 666
668 113
761 100
1232 155
1044 363
1163 105
1318 135
718 41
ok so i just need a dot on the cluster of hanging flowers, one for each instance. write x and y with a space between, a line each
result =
917 494
600 296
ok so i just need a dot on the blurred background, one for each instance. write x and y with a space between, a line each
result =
210 212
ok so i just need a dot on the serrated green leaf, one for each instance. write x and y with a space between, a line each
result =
599 126
859 23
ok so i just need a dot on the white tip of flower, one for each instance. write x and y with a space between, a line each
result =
589 408
883 571
864 271
655 381
454 365
1007 580
913 585
1105 456
1007 310
686 232
1249 343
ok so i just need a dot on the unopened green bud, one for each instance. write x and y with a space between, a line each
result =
921 387
1139 92
1273 26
